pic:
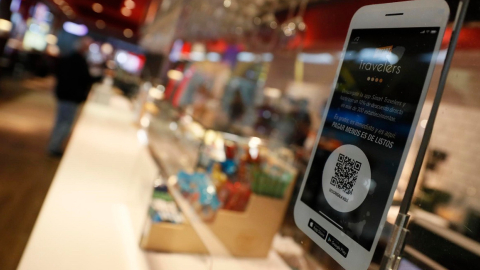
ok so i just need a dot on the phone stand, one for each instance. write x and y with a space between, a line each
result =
392 256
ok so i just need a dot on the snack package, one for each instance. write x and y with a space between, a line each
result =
271 180
200 191
235 196
229 166
218 176
163 207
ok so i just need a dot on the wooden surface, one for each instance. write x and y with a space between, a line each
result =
177 238
26 116
250 233
242 234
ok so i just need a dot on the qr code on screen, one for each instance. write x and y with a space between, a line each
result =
346 173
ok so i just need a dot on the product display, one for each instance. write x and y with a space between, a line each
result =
238 186
234 196
163 207
270 180
236 174
200 191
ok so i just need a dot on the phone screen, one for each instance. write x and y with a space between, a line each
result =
367 126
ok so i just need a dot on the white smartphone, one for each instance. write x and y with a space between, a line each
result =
367 128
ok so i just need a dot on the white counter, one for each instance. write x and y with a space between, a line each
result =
97 203
96 207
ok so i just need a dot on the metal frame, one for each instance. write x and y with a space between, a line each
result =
391 258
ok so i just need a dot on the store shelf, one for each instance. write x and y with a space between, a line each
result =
250 234
176 238
231 233
198 237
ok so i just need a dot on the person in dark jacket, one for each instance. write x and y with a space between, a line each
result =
73 85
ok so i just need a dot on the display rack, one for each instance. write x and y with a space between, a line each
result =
244 234
247 233
177 238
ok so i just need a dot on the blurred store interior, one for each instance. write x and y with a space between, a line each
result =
197 130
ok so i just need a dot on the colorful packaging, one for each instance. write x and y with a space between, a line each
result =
235 196
200 191
271 181
164 208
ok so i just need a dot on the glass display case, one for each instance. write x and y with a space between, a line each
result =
215 185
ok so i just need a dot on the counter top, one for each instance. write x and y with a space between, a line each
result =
96 205
95 210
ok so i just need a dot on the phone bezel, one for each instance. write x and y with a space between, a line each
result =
425 13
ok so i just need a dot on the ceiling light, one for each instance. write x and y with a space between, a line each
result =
214 57
254 142
100 24
97 7
5 26
175 75
75 29
302 26
246 57
288 32
121 57
227 3
15 6
257 20
94 48
316 58
51 39
129 4
106 48
126 12
291 26
273 24
128 33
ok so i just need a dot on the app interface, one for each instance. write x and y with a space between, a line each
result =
367 126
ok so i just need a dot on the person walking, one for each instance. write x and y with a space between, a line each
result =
73 85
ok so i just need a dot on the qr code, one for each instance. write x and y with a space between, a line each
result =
346 173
